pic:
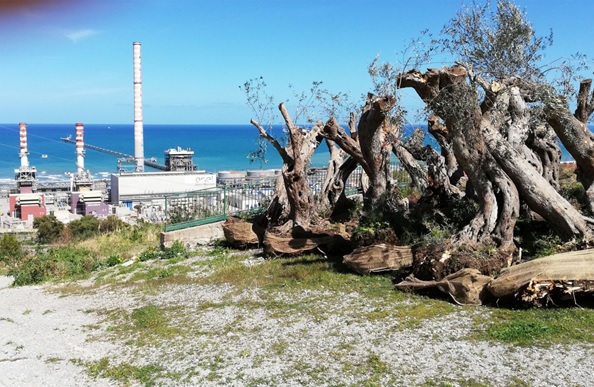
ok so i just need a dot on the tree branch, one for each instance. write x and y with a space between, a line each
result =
333 131
283 153
584 104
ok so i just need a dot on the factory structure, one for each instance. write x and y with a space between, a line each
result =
26 204
180 174
84 196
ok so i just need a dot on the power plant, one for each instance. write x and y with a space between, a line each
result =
125 189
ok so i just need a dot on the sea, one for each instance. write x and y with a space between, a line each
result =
216 148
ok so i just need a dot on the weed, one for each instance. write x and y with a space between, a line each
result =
123 372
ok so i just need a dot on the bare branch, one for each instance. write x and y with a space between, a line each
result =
263 133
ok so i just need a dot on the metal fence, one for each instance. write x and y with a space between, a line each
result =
242 198
212 205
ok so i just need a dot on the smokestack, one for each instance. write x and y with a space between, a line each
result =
138 128
80 148
24 152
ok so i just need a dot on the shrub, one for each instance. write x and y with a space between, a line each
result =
56 263
49 228
149 254
177 250
111 224
85 228
10 248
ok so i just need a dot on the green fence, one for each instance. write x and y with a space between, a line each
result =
212 205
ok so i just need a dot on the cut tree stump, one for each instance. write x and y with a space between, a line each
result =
558 277
378 258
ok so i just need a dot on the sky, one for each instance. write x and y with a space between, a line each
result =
66 61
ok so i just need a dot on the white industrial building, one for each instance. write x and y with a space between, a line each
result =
126 187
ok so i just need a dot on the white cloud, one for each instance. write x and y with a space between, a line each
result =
79 35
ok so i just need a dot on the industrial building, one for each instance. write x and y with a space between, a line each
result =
80 196
26 204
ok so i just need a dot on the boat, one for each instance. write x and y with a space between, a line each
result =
44 156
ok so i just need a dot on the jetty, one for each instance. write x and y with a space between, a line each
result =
148 162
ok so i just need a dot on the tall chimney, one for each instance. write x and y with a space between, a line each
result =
24 152
138 129
80 148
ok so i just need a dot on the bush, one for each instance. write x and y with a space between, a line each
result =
177 250
85 228
49 228
112 224
10 249
58 263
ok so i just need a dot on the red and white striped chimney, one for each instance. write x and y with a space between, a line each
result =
24 152
80 148
138 126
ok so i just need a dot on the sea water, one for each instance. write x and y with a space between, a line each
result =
216 148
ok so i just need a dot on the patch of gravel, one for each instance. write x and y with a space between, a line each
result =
233 338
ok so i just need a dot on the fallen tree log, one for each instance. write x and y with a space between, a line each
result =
558 277
466 286
379 257
240 233
543 280
327 244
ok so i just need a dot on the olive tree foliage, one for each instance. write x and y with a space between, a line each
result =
496 44
496 106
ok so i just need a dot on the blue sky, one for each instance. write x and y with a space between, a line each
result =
72 61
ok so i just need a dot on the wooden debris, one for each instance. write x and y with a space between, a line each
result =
327 244
466 286
379 257
240 233
545 279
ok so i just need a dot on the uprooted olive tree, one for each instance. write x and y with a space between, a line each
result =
497 120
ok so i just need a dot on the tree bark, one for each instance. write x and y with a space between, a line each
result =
448 94
338 172
573 132
296 158
371 148
495 167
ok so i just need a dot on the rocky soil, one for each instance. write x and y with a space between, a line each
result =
216 336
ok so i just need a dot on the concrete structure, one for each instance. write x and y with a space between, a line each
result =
193 236
27 206
89 203
179 159
126 187
138 125
83 199
82 180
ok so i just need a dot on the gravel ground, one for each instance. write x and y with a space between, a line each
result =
232 339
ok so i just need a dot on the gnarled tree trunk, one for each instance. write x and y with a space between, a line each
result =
448 94
296 158
573 132
333 195
373 148
494 166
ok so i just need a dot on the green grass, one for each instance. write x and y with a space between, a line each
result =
123 372
538 327
142 326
